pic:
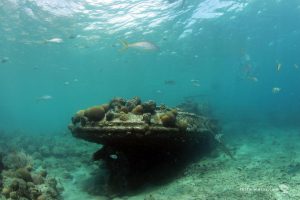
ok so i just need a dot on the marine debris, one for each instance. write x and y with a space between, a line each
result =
141 140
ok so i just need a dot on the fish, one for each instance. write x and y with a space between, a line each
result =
252 78
170 82
72 36
195 82
278 66
4 60
247 57
296 66
113 156
276 90
44 98
54 40
143 45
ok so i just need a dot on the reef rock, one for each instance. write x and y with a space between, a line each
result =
25 183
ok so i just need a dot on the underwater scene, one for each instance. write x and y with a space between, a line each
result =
149 100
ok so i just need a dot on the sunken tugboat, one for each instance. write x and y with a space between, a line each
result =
142 141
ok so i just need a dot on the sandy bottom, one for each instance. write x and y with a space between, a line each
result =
266 166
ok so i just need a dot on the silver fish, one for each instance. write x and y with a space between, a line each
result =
55 40
44 98
144 45
113 156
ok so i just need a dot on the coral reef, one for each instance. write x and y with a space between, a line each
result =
168 119
124 110
1 168
140 140
132 103
17 160
149 107
95 113
20 181
109 116
138 110
78 116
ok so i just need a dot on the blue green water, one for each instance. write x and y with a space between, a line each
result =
232 49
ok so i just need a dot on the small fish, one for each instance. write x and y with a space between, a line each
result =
55 40
253 78
278 66
66 83
170 82
247 57
195 82
4 60
72 36
44 98
276 90
144 45
296 66
113 156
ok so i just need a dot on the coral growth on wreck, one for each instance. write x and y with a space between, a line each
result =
123 110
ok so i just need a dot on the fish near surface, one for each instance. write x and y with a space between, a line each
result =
144 45
54 40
